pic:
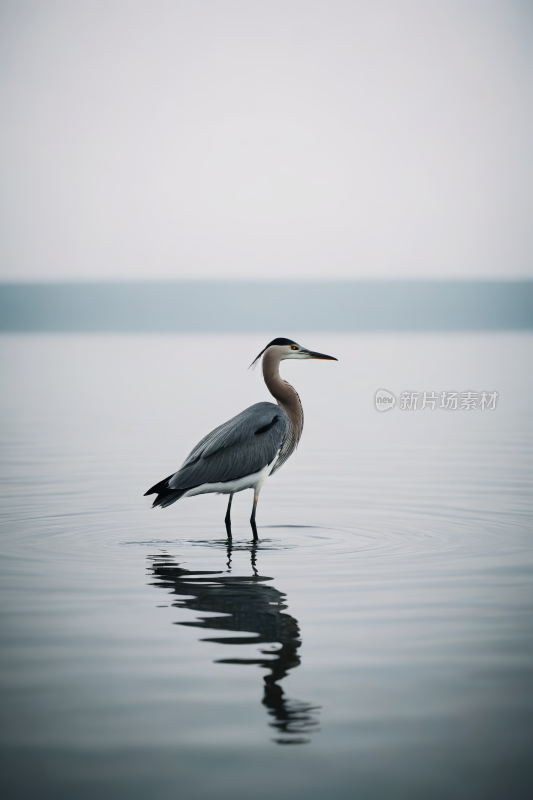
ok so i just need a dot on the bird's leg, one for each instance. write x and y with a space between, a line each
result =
252 518
228 517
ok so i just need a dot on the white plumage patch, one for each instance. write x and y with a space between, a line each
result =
253 481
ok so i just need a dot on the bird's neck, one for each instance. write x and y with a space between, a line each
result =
283 392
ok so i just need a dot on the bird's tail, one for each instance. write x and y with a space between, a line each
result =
165 495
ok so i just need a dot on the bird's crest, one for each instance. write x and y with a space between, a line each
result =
280 340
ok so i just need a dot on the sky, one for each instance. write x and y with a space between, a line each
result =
257 139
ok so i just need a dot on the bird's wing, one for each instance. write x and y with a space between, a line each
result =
241 446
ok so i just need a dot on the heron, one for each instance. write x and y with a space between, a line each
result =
244 451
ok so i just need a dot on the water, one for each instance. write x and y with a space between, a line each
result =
376 643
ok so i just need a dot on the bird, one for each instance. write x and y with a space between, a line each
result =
244 451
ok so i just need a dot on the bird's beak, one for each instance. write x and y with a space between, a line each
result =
312 354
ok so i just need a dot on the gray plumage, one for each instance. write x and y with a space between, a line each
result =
243 445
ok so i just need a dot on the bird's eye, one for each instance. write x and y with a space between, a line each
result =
294 347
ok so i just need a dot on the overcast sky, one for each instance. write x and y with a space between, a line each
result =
278 138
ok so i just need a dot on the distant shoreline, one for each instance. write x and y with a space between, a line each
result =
238 306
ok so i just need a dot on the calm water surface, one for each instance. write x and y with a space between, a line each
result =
375 643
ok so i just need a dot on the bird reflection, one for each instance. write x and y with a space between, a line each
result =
249 606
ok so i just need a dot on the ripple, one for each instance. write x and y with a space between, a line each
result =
373 537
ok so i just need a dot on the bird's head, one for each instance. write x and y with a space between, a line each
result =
287 348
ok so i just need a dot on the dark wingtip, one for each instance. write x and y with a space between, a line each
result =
165 495
157 488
